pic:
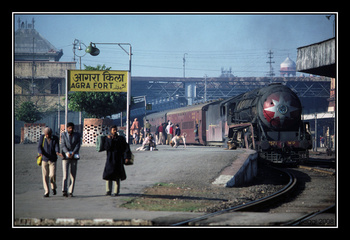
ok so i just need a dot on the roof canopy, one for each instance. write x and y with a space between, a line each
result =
318 58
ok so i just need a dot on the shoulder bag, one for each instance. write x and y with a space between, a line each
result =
100 142
40 158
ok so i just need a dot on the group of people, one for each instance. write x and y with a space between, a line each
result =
163 135
118 153
166 131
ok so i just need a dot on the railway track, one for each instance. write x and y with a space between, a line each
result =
315 197
250 205
308 218
307 196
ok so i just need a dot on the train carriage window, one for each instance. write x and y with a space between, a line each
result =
232 108
188 125
223 110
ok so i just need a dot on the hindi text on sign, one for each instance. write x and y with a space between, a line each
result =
98 81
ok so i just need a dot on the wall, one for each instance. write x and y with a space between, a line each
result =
94 127
242 170
246 173
43 69
31 132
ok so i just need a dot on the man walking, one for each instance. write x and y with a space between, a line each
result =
49 148
70 147
117 150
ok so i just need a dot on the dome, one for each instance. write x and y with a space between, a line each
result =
288 63
288 67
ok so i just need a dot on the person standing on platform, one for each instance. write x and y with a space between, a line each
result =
135 128
160 133
196 135
169 132
147 128
117 150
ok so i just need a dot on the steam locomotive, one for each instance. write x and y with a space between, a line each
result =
271 119
267 119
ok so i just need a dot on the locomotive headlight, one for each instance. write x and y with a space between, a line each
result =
283 109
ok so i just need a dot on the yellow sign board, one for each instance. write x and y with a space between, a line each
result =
97 81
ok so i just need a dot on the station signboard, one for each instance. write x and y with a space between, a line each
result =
97 81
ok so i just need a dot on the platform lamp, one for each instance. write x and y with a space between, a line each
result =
94 51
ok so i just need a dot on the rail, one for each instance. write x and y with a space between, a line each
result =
262 201
308 216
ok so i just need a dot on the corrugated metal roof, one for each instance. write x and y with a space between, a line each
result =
186 109
190 108
156 115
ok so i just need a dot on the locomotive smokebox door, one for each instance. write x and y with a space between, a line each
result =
280 109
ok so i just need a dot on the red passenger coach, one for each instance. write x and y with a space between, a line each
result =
187 118
206 115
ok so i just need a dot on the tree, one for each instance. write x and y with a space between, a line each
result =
97 104
28 113
97 68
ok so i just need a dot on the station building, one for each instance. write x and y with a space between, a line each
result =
39 76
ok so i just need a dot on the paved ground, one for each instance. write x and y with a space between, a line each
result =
195 165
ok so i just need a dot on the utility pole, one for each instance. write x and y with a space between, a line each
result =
205 87
33 68
184 60
270 73
58 109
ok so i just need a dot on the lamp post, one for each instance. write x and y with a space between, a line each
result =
94 51
79 55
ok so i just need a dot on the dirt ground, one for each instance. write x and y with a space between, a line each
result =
189 197
176 196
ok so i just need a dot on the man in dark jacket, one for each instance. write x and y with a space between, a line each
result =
70 148
48 148
177 130
117 150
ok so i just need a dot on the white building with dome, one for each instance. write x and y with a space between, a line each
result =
288 68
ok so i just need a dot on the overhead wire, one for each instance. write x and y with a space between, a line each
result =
241 61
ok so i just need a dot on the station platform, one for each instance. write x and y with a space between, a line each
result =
196 165
241 171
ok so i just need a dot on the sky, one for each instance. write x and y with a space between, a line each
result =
209 42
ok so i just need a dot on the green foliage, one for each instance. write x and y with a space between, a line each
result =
28 113
98 68
97 104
